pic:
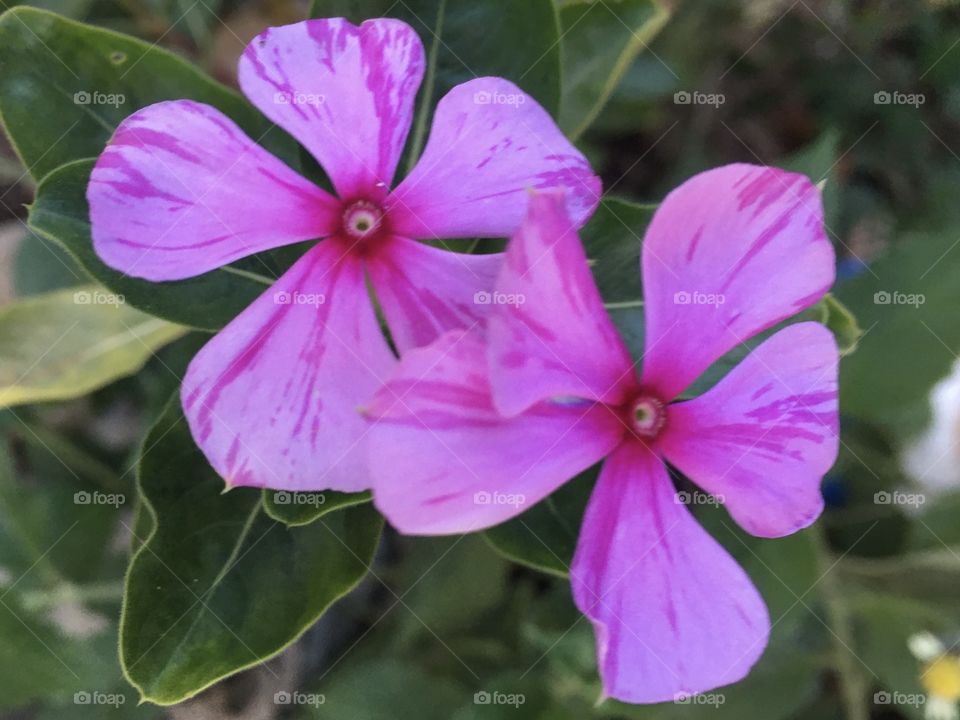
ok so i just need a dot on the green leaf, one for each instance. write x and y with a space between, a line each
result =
465 40
59 583
601 38
65 86
906 302
41 265
67 343
219 586
207 301
612 239
302 508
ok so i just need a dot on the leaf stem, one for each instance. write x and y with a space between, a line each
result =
420 131
854 687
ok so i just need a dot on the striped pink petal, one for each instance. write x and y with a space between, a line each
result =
490 143
549 334
272 399
729 253
674 614
345 92
181 190
444 461
425 291
764 436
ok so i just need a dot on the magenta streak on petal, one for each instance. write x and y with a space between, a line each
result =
693 243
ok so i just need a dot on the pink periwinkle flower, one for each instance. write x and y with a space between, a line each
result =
474 421
180 190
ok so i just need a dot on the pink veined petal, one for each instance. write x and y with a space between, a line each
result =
181 190
729 253
673 613
272 399
444 461
548 333
765 435
345 92
425 291
490 143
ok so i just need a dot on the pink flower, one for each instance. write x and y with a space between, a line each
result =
474 429
180 190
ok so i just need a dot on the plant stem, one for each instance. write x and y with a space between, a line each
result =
854 686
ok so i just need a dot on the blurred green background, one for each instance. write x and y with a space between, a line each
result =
863 96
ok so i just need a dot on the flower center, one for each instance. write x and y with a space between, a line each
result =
362 219
646 415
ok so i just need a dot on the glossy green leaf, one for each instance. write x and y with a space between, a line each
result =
220 586
209 301
70 342
601 38
65 86
302 508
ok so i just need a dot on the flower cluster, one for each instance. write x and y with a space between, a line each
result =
511 378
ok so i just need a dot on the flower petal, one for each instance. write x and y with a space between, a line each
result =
673 613
765 435
272 399
181 190
444 461
729 253
345 92
490 142
425 291
549 334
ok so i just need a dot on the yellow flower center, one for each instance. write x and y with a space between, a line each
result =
942 677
